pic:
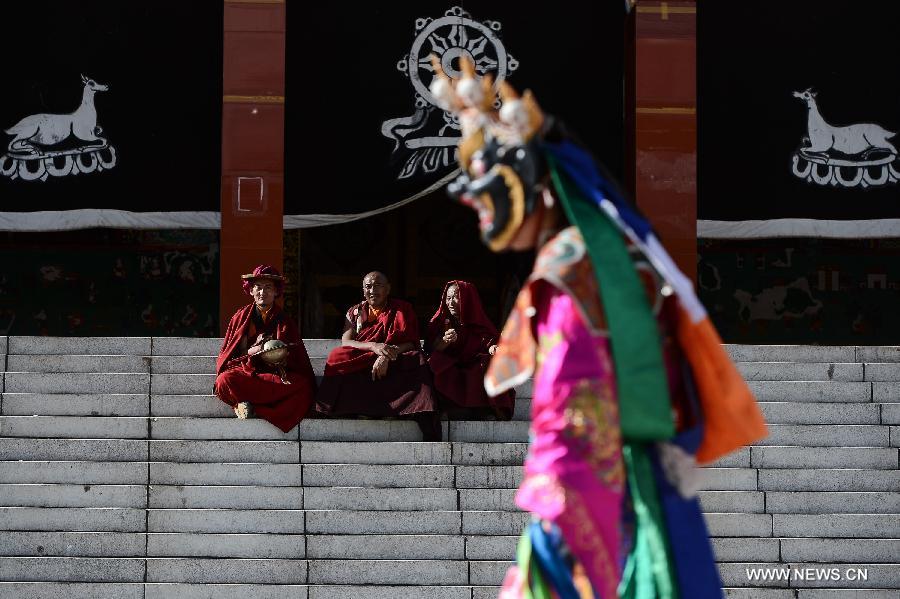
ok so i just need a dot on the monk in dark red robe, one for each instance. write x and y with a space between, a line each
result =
281 394
461 340
380 370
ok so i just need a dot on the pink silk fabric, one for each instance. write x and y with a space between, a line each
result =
574 473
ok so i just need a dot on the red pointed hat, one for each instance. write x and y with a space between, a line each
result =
264 271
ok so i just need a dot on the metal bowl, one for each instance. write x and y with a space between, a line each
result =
274 352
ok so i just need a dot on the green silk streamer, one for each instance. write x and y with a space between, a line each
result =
649 570
645 412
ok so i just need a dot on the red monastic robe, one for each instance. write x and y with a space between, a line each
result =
348 388
459 368
241 378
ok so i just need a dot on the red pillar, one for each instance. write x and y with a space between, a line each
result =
663 122
252 144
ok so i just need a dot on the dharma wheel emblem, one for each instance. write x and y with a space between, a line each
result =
429 144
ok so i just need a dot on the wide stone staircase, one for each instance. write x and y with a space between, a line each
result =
123 477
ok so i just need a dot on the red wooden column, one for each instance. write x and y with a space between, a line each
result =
662 89
252 144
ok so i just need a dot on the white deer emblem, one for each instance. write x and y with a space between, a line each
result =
34 151
848 154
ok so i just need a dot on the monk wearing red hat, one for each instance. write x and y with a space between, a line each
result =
248 378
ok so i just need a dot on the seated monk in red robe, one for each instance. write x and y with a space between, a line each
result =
461 340
380 369
280 393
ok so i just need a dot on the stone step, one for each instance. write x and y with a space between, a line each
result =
74 472
386 452
878 353
72 544
78 383
744 549
223 474
745 502
739 525
488 572
225 497
395 592
199 364
834 502
71 519
225 521
381 572
827 435
890 413
72 404
387 547
875 526
268 452
63 496
497 500
72 569
249 546
112 346
801 371
874 458
489 453
480 573
345 475
863 551
219 429
886 392
883 371
327 452
828 480
78 590
100 450
182 384
65 363
729 479
190 406
739 458
481 432
792 353
226 571
186 346
488 477
369 499
209 406
338 522
821 413
361 430
480 522
75 427
811 391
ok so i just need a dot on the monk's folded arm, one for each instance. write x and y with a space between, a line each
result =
359 344
408 346
348 340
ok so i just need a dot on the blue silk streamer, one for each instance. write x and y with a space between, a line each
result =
546 551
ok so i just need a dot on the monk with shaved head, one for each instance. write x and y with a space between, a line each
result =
379 370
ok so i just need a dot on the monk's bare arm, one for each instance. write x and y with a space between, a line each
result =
408 346
348 339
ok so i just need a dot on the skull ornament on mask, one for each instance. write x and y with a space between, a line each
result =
499 153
